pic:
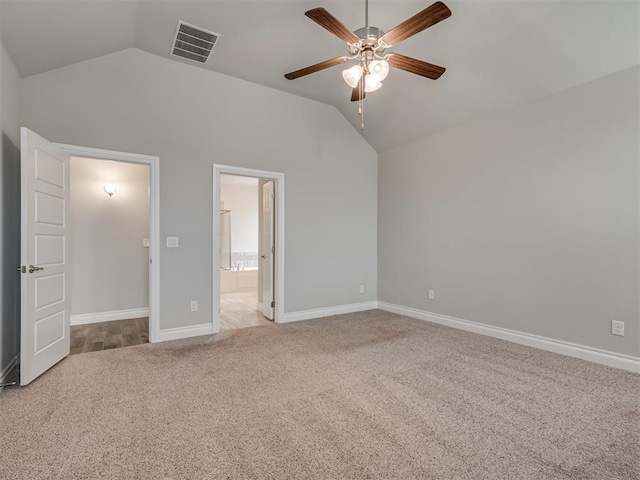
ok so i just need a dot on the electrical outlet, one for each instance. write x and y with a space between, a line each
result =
432 295
145 242
617 328
194 305
361 288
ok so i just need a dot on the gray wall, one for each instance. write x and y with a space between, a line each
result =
192 118
9 211
109 266
526 219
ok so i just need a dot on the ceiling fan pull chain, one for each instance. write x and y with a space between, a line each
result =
361 106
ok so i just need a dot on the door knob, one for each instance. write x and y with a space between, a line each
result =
33 268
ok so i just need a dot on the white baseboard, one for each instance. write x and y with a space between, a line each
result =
5 373
604 357
327 312
86 318
185 332
207 328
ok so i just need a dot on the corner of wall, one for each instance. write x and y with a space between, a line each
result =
9 212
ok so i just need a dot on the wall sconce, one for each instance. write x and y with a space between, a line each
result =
110 188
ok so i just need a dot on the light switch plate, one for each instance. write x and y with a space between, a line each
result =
172 242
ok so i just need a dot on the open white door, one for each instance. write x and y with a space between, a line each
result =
268 250
44 234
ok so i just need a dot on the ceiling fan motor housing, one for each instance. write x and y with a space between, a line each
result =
369 36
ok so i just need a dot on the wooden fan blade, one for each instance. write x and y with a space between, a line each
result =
355 93
331 23
315 68
413 65
420 21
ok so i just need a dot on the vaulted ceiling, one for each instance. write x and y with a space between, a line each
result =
498 54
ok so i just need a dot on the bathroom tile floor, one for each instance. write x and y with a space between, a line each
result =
238 310
106 335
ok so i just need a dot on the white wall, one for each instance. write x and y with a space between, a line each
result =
527 219
240 195
109 267
191 118
9 211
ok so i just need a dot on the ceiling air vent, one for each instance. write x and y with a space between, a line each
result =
193 42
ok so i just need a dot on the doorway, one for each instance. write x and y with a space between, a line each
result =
109 262
45 239
152 243
241 267
248 247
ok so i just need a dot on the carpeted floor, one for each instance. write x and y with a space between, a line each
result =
365 395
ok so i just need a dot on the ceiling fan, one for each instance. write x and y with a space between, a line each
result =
367 46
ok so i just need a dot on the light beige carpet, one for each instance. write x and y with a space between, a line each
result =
366 395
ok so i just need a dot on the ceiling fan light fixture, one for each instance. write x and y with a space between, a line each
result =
371 84
379 69
352 75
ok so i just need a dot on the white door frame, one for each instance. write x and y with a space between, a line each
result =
154 220
278 179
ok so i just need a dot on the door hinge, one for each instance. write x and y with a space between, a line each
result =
273 249
273 304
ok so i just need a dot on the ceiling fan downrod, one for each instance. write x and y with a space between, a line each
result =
366 13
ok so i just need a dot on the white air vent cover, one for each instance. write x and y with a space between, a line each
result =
193 43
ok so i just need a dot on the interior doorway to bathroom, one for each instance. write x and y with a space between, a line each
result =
247 279
240 252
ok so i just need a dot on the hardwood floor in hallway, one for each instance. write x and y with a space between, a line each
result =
106 335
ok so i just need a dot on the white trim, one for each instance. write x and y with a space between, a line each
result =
596 355
263 307
86 318
185 332
328 311
8 368
279 242
154 220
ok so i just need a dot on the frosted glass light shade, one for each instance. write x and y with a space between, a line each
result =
379 69
371 84
110 188
352 75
